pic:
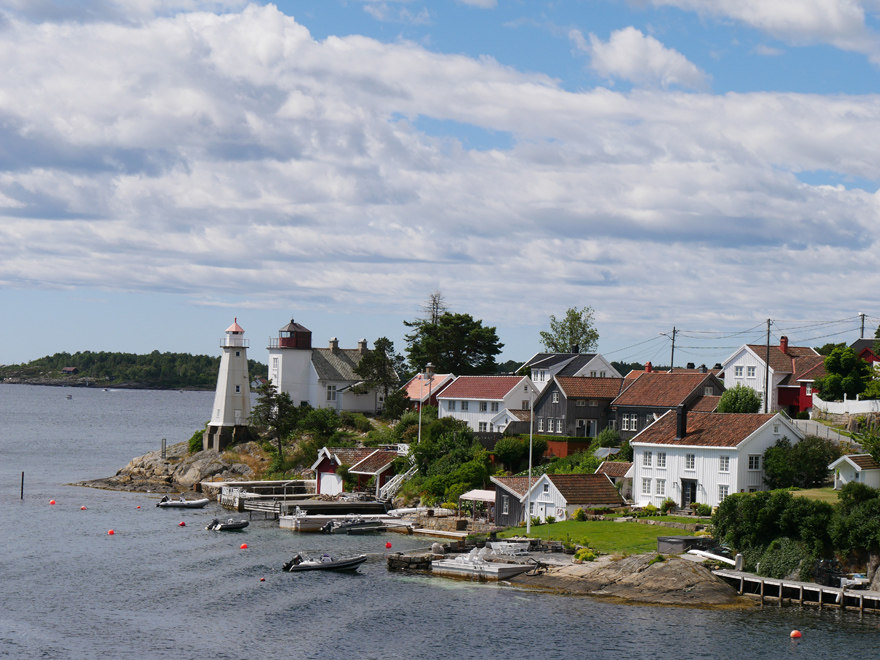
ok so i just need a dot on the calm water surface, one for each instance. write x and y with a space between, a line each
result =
158 590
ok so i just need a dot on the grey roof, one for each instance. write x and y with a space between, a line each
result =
547 360
605 452
861 344
336 366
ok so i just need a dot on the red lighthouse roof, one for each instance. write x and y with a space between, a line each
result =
235 328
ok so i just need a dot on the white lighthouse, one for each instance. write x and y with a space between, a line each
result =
232 399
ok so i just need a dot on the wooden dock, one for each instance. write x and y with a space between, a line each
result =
802 593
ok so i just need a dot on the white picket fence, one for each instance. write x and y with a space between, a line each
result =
846 407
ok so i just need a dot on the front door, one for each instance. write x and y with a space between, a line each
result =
688 492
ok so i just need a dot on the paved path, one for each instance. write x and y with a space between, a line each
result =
815 428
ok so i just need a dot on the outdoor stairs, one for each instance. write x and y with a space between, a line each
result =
390 489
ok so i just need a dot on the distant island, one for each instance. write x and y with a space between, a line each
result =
163 371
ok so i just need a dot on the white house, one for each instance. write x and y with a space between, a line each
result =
321 377
559 495
544 366
618 472
856 467
704 457
793 369
480 400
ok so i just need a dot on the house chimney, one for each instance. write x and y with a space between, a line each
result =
703 369
649 367
575 348
334 345
362 347
689 365
783 344
429 370
717 366
681 421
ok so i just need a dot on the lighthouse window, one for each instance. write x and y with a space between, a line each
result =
237 353
237 389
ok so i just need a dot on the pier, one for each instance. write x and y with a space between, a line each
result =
803 593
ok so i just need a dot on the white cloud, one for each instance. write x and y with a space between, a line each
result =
482 4
640 59
767 51
840 23
382 11
236 156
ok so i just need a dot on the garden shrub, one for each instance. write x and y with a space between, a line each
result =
550 519
668 505
650 510
585 554
536 521
783 557
579 514
704 510
195 442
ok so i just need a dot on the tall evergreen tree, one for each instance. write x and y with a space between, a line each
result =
456 343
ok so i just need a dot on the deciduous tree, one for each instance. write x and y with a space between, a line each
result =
845 373
740 399
575 328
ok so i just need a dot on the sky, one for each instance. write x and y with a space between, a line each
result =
167 166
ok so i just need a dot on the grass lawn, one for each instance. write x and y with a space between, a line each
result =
824 494
602 535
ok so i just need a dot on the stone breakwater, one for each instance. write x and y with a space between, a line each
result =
179 470
673 581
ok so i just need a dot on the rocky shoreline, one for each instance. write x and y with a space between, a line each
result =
639 579
76 381
179 471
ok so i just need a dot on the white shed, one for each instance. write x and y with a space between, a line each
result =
861 468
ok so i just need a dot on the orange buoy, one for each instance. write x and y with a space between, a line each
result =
243 546
138 506
388 545
795 634
181 524
52 502
111 532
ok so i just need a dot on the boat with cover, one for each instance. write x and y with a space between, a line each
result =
228 526
167 503
325 562
354 524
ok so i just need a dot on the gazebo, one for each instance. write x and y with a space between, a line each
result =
486 497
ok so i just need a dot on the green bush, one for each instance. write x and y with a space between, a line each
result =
536 521
782 558
650 510
704 510
550 519
668 505
195 442
580 514
585 554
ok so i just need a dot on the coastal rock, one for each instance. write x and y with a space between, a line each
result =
179 470
673 581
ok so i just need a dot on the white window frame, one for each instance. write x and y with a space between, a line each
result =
275 363
593 403
559 428
592 374
525 405
660 487
601 374
555 397
634 422
505 504
464 406
541 424
809 389
646 486
580 403
690 461
482 427
661 459
750 372
724 464
546 488
754 462
723 492
494 406
738 371
484 406
648 459
331 393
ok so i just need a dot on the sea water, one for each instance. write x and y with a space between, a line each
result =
155 589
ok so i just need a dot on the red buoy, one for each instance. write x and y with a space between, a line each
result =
243 546
138 506
111 532
52 502
795 634
262 579
388 545
181 524
82 508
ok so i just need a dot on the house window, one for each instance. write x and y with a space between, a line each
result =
755 462
593 403
661 487
580 402
505 504
592 374
491 427
525 405
708 391
647 459
559 426
601 374
661 459
556 397
634 423
482 427
546 488
723 491
689 461
540 423
646 486
331 393
531 508
776 429
525 388
238 389
451 406
464 406
624 422
809 390
750 372
725 464
738 372
494 406
484 406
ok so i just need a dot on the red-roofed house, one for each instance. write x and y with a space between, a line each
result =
423 389
365 462
481 400
864 348
792 372
704 457
654 393
856 467
510 493
558 495
575 406
618 471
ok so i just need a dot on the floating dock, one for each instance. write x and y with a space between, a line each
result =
802 593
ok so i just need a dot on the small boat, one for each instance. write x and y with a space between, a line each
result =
354 524
69 396
325 562
228 526
167 503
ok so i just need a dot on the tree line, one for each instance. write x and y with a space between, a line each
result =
159 370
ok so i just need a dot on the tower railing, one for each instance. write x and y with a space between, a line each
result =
234 342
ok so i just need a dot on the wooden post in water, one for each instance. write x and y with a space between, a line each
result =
801 595
22 486
762 592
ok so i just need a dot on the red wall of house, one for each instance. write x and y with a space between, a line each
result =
326 465
563 449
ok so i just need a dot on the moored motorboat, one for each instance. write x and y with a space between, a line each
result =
167 503
301 562
228 526
354 525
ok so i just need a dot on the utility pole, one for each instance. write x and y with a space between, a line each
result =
529 480
672 357
767 372
862 335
